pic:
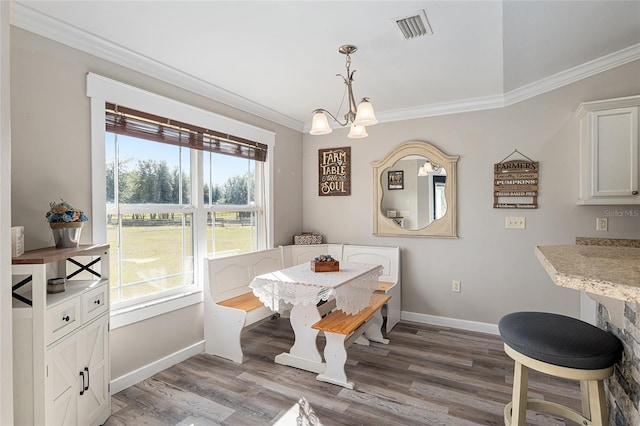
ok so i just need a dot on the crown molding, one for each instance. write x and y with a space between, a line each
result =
443 108
572 75
36 22
31 20
528 91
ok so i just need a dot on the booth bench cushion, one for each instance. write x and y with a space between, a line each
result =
560 340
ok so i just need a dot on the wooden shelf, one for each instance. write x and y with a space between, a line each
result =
52 254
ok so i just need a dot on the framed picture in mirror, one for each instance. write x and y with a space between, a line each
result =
395 179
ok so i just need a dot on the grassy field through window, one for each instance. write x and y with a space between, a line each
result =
152 255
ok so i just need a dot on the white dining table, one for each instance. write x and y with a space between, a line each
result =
300 289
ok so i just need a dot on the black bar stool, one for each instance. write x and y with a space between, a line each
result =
564 347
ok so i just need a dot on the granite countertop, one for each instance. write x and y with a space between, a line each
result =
611 271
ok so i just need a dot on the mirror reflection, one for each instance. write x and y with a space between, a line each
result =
414 192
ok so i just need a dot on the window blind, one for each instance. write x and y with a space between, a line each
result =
130 122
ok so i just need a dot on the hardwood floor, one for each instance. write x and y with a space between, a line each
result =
427 375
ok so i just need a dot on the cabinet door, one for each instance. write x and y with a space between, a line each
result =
77 382
62 386
614 152
94 351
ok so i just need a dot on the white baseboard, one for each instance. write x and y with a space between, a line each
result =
149 370
450 322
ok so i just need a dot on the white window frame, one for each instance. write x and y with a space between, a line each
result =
101 90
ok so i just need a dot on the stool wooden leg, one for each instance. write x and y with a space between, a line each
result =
584 397
519 398
599 414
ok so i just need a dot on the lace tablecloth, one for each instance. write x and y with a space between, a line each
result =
352 286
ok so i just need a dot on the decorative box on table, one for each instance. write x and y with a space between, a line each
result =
307 238
325 266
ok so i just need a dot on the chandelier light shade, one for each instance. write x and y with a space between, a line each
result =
357 117
423 170
428 168
320 124
365 115
356 132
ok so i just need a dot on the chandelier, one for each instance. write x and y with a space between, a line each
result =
357 117
429 168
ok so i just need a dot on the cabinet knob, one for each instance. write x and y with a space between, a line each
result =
97 301
634 192
66 318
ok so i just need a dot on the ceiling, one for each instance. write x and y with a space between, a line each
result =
279 59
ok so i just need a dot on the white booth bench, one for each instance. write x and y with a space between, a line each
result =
229 303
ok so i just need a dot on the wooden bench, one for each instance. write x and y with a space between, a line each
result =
341 330
245 302
229 303
384 286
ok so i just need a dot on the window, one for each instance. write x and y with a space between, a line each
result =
172 192
233 215
439 197
149 218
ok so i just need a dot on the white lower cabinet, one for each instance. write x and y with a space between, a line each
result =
61 363
77 376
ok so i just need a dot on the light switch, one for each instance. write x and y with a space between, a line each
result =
513 222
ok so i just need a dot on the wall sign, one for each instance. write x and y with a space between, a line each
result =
515 183
334 171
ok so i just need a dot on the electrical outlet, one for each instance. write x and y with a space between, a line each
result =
455 286
515 222
602 224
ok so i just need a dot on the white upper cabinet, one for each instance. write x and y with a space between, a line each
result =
609 154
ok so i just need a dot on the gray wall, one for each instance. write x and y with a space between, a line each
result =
51 160
497 266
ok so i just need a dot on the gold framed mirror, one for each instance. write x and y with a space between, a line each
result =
414 192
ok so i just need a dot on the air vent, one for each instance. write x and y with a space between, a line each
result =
414 26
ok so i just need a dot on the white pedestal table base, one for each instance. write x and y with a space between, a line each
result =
304 353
